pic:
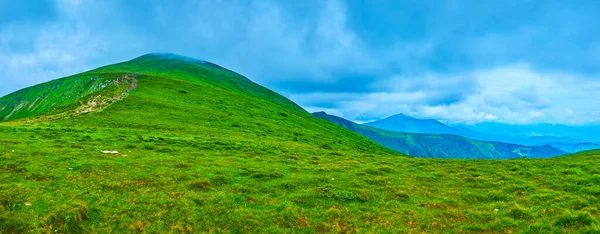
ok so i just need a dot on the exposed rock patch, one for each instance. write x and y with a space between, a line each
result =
100 102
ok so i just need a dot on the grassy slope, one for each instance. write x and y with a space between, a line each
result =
213 158
441 145
63 94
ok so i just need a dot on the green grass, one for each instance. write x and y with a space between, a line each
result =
218 159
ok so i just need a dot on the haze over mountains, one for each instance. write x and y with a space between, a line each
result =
441 145
513 134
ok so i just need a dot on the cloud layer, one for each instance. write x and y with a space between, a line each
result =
458 61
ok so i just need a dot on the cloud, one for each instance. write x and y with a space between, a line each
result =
459 61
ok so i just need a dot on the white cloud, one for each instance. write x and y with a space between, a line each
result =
512 94
271 42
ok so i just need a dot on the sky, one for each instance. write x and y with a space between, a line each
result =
459 61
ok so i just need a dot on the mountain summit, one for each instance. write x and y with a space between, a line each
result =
405 123
101 87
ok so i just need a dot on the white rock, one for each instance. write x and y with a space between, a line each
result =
109 152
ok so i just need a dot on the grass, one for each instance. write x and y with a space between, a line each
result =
216 159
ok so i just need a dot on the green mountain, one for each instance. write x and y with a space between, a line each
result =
169 144
575 147
99 88
443 145
404 123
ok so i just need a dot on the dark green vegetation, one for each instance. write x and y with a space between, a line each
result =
443 145
202 149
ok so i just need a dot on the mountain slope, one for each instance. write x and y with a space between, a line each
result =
443 145
65 94
115 80
201 149
573 148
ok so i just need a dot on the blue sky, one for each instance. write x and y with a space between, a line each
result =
458 61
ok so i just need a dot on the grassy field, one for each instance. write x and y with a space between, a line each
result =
202 154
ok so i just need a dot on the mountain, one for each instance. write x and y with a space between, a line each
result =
588 133
443 145
567 144
192 142
99 88
170 144
404 123
573 148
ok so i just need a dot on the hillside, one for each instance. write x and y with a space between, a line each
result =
109 83
443 145
573 148
202 149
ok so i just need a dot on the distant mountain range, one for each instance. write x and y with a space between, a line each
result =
430 145
404 123
588 133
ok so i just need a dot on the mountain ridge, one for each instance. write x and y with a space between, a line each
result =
74 89
443 145
405 123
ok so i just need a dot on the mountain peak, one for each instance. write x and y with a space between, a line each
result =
400 115
405 123
170 56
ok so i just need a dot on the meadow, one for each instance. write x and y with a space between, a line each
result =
226 155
